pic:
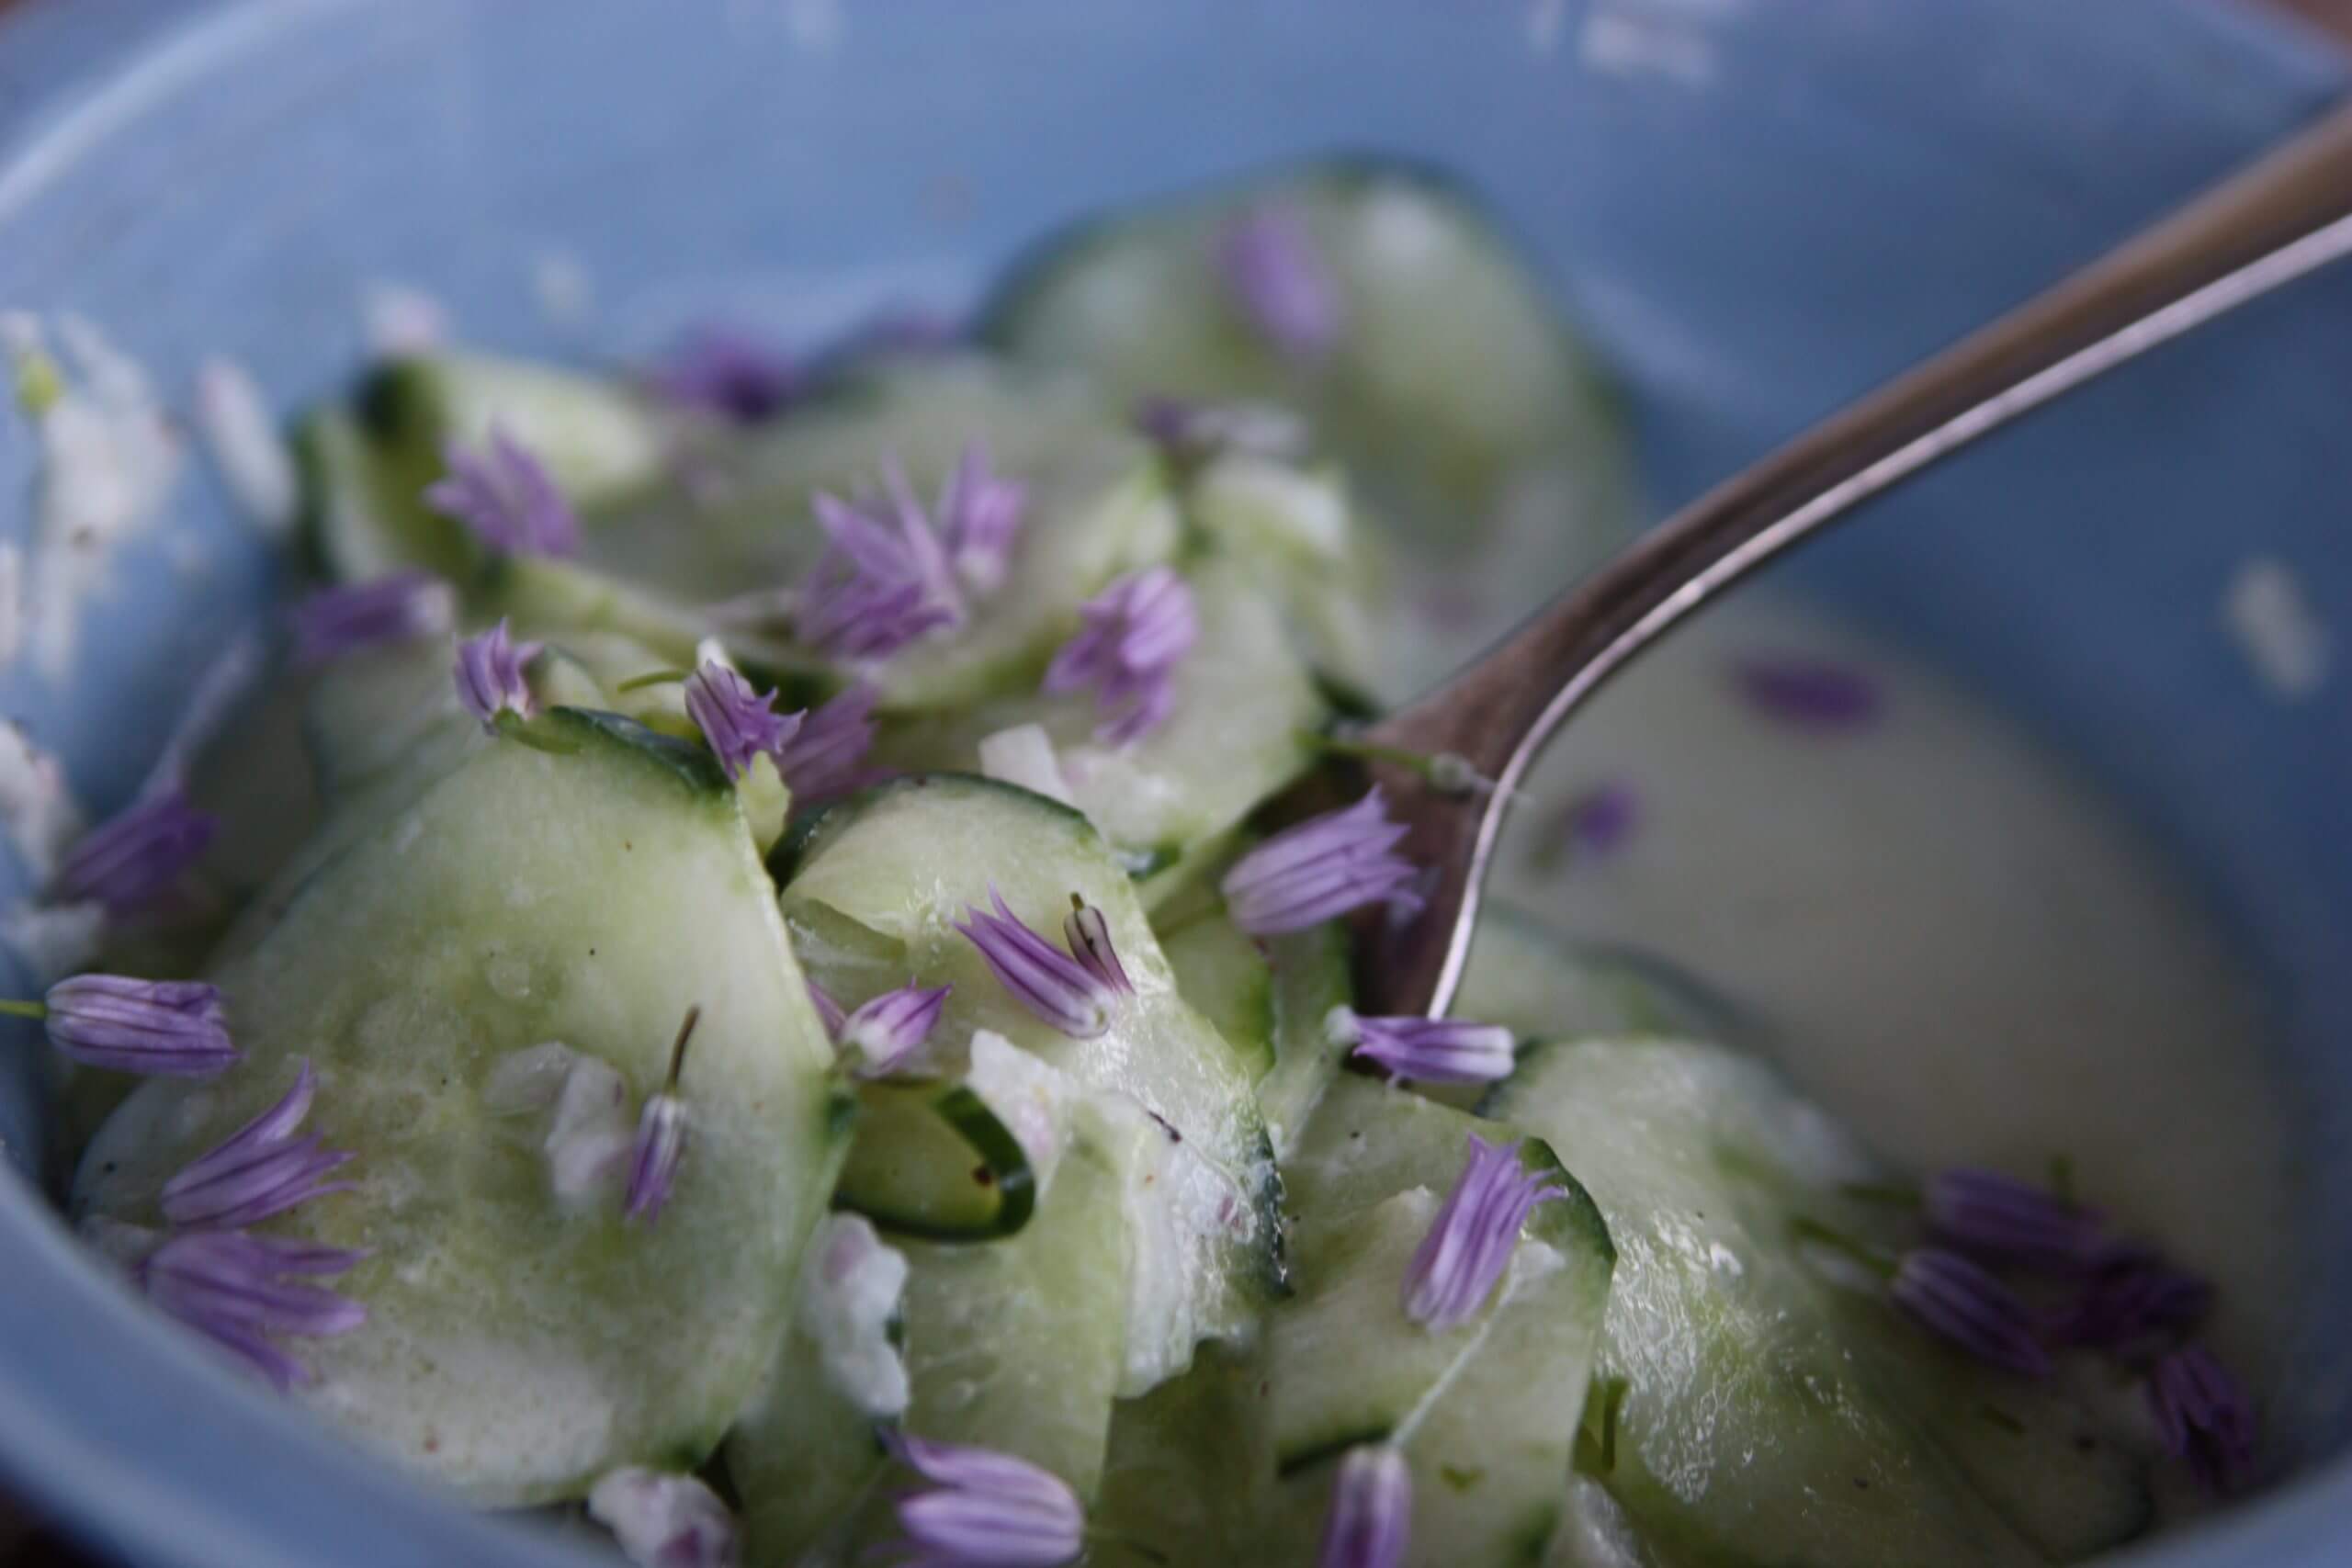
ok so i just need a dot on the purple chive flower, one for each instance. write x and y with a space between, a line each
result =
661 1142
1131 637
1276 276
1424 1050
1193 432
883 580
1372 1510
173 1028
828 1012
665 1521
1088 933
1809 695
1991 1215
232 1287
728 373
1470 1243
131 857
2203 1416
822 757
262 1169
507 497
738 722
881 1035
986 1509
1600 819
1320 869
400 607
1063 992
490 676
1961 1302
654 1156
2133 1299
979 516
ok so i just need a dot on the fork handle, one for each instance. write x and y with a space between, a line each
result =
2283 217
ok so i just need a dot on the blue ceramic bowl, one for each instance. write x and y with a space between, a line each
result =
1758 210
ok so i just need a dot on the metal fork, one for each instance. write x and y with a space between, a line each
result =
2288 215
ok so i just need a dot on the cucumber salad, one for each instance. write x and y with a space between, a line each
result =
772 1013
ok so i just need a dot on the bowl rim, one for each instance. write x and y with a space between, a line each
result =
82 1441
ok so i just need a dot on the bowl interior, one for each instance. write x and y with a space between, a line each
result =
1756 211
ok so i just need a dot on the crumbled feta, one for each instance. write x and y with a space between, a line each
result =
1023 755
2265 612
851 1286
36 806
253 462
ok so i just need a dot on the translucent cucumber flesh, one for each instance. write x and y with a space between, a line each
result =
518 1345
1015 1345
1772 1414
1486 1413
874 896
1245 705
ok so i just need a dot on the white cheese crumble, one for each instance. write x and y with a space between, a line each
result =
851 1286
109 459
398 321
1023 755
2287 645
37 805
253 462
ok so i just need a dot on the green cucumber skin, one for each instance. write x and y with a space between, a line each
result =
519 1346
877 886
990 1146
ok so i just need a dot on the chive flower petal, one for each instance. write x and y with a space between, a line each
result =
1470 1242
171 1028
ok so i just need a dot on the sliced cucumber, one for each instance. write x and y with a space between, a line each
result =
362 507
1272 997
877 885
809 1449
1097 505
601 439
1308 547
1191 1468
1486 1413
1539 986
1452 373
932 1161
517 1347
1244 707
1770 1415
1014 1345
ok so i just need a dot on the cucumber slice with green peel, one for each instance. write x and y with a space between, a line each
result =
1771 1414
1015 1345
743 520
600 438
519 1344
933 1161
363 512
1245 705
1097 503
1486 1413
877 886
1452 372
